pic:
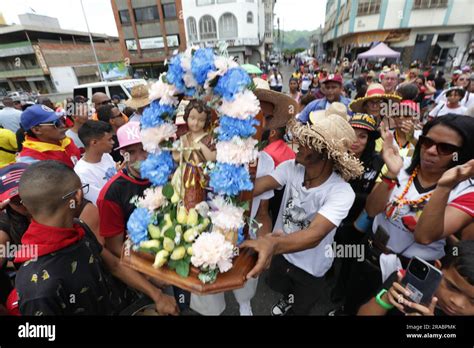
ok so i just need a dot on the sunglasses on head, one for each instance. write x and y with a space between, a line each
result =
59 123
443 149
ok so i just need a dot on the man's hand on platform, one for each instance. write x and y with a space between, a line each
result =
165 304
265 247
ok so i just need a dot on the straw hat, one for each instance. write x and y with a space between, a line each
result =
374 91
335 108
139 97
333 135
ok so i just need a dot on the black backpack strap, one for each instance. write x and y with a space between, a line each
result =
8 151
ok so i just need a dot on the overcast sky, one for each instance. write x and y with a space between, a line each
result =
293 14
300 14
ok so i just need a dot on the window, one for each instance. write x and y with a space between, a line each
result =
224 1
97 89
424 4
124 17
192 29
146 14
205 2
207 28
446 38
117 90
368 7
249 17
228 26
169 11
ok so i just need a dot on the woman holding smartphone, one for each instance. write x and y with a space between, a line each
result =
397 202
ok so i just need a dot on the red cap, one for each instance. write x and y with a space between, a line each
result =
333 78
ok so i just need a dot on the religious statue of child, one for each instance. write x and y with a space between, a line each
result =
197 148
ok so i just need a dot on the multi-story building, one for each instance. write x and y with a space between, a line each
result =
39 56
143 26
431 31
245 26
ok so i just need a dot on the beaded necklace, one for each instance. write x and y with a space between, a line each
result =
401 206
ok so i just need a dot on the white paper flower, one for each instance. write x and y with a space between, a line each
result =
163 91
152 137
202 209
222 64
152 199
226 216
211 250
244 106
237 151
188 77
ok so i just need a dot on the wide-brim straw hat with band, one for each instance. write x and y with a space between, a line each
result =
139 98
334 136
374 91
285 108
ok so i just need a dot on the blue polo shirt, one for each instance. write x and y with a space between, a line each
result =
320 104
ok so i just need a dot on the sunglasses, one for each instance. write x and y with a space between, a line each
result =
443 149
59 123
84 188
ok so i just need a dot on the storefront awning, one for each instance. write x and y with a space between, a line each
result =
365 39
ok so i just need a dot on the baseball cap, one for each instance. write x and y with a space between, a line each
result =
129 134
363 121
333 78
37 114
10 179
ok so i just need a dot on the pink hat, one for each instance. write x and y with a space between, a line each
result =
129 134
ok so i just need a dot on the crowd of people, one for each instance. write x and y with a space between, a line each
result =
383 162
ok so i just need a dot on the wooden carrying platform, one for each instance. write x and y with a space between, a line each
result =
235 278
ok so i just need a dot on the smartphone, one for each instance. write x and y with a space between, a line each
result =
421 279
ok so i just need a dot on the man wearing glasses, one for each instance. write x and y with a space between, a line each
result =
46 137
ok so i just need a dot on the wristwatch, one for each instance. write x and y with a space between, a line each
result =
381 302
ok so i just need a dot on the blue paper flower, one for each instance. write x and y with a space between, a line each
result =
230 180
240 236
201 63
230 127
157 168
175 73
137 225
154 113
234 81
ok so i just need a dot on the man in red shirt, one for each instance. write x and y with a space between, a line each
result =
114 198
46 137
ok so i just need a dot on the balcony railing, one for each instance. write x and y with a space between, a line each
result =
21 73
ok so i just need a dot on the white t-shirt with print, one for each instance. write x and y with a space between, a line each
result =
442 109
95 174
401 239
265 167
333 200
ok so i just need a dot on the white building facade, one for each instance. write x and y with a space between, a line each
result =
246 26
432 31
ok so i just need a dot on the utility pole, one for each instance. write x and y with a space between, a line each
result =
92 42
